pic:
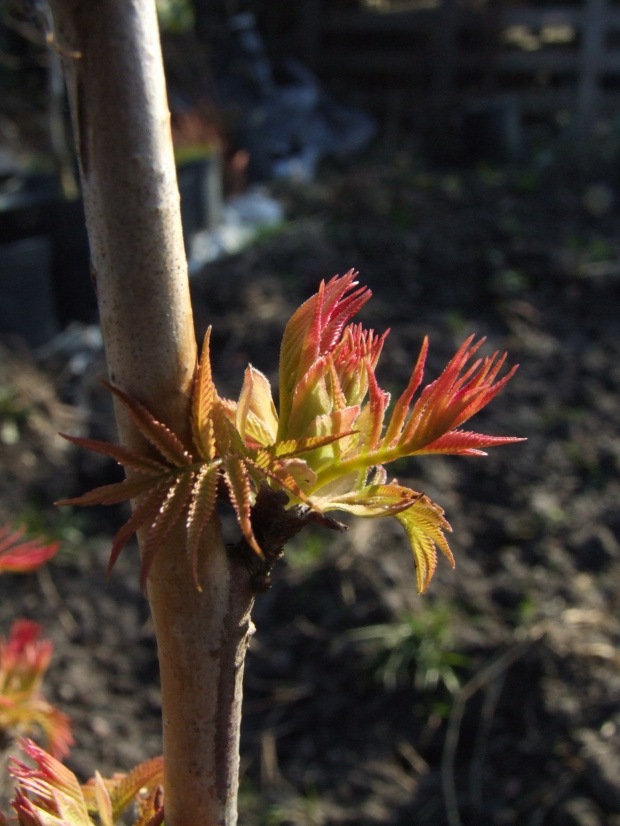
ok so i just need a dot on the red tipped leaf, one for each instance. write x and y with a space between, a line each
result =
143 514
168 516
201 509
127 458
115 493
240 487
204 397
157 433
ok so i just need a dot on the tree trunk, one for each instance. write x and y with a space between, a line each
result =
112 62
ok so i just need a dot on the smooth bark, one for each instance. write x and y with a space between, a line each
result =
112 63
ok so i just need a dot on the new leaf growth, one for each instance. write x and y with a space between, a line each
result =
324 450
24 659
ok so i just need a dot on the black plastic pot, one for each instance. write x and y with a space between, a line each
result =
44 265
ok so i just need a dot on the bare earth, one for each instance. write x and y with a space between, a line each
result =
495 698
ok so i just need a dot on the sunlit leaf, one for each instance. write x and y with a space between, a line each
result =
204 397
425 524
325 448
256 411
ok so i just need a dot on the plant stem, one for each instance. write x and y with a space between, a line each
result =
201 653
112 63
121 124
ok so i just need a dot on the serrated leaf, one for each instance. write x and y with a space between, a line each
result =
54 788
377 405
453 398
143 514
466 443
425 523
154 431
338 398
204 397
355 356
55 726
314 330
375 500
401 408
148 775
123 788
115 493
168 516
24 659
294 447
279 472
339 307
227 438
238 481
120 454
201 509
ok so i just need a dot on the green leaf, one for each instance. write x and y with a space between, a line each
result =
293 447
424 523
374 500
256 412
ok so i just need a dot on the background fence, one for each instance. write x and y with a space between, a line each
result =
550 57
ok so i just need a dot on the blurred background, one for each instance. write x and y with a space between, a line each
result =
464 157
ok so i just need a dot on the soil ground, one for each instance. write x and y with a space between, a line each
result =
493 699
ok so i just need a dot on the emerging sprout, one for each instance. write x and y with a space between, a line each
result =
325 449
